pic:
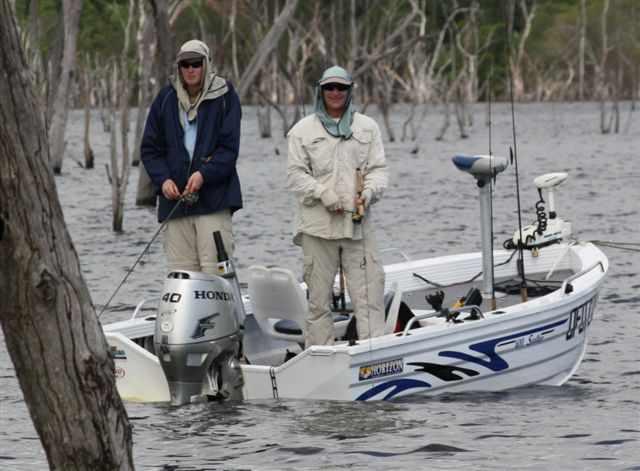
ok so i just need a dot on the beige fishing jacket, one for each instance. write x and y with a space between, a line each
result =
322 174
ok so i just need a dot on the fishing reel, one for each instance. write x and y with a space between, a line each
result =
189 198
473 298
544 231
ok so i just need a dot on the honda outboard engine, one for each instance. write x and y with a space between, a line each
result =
198 338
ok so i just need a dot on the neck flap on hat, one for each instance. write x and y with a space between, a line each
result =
213 86
342 127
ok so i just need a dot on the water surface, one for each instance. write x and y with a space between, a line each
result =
430 208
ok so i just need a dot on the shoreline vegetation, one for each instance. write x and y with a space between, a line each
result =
398 51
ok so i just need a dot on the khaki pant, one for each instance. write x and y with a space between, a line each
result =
189 245
364 277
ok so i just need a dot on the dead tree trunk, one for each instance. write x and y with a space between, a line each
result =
53 66
85 100
71 11
384 88
52 334
266 47
145 192
102 91
233 15
277 88
144 41
581 48
264 116
160 9
156 13
117 207
516 65
120 96
601 73
34 56
446 114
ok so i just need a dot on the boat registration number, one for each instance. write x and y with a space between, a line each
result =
580 318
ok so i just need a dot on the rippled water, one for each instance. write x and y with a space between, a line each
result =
590 423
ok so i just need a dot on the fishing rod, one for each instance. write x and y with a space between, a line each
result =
357 216
513 155
343 302
188 199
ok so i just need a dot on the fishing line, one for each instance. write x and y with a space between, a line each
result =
491 174
473 278
189 199
363 266
357 218
513 154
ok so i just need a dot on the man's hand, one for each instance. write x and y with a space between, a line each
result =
194 184
331 201
170 190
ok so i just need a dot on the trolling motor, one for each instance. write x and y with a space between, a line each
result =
483 168
543 231
198 337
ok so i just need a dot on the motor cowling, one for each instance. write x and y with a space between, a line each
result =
555 231
198 338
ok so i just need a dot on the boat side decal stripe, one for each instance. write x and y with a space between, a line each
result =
444 372
395 387
495 362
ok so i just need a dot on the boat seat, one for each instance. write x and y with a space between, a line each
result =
392 300
280 305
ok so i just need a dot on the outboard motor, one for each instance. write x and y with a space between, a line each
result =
198 338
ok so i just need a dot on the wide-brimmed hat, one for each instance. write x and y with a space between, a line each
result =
336 74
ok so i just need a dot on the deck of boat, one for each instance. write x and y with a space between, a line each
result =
507 292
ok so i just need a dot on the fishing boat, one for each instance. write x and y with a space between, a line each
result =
484 321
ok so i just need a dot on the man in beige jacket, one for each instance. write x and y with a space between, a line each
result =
326 150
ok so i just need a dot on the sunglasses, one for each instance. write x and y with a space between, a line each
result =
191 64
341 87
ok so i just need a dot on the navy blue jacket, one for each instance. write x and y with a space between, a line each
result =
164 155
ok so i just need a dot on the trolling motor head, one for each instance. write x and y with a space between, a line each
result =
483 168
546 183
197 337
480 166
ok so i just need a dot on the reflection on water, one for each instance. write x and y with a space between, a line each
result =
430 208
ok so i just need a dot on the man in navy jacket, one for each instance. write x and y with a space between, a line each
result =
189 148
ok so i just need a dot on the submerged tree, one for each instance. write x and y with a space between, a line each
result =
60 104
51 331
